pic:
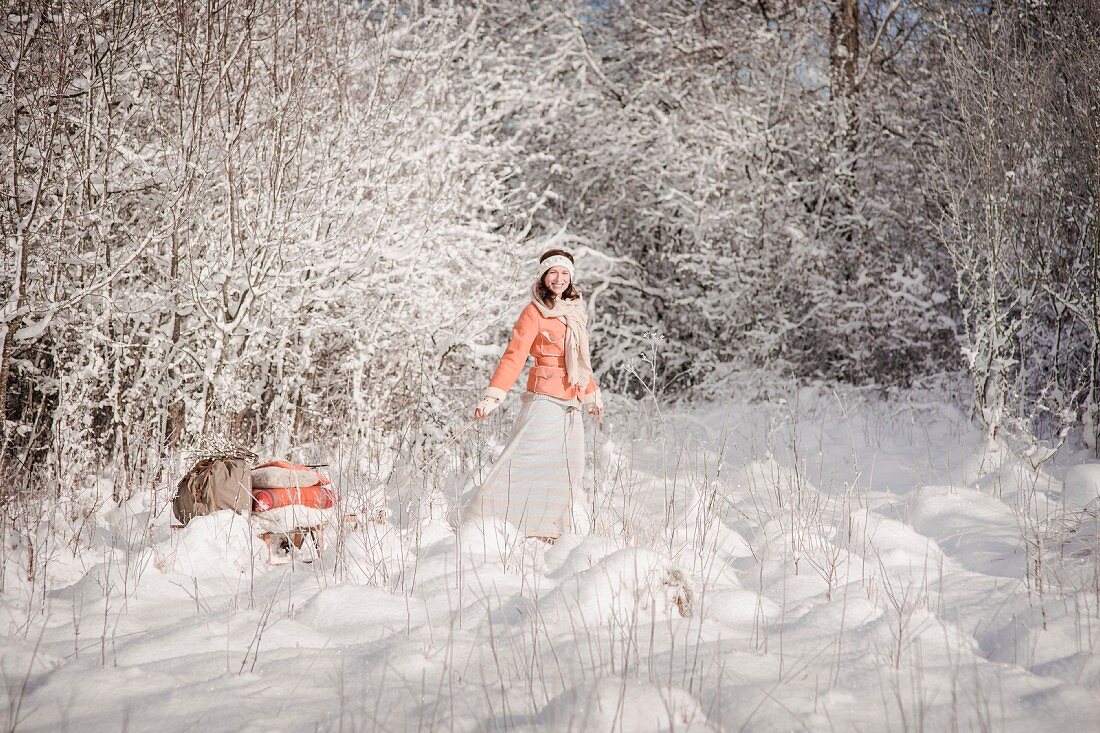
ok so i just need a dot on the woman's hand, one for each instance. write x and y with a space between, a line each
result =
596 411
484 407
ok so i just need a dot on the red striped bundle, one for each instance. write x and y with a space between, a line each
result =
318 495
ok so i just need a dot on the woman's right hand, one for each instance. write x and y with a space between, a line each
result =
484 406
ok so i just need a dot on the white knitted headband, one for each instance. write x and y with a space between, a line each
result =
555 261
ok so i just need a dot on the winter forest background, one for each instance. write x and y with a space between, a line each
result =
294 222
306 227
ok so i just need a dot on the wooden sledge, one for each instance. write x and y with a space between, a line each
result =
354 521
304 544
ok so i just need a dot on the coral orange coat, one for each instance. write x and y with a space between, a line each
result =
544 339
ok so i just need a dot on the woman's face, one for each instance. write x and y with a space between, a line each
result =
557 279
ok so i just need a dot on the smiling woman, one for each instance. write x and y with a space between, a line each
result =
533 483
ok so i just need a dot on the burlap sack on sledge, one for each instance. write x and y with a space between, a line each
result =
213 484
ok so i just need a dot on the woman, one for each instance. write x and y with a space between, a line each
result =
533 483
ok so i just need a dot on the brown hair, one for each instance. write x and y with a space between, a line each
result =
545 294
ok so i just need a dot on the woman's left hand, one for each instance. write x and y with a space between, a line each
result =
596 411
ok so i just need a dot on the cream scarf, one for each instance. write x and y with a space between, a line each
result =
578 358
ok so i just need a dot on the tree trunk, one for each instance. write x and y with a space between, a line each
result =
844 67
844 47
841 175
14 305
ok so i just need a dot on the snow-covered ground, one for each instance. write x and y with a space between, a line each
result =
822 562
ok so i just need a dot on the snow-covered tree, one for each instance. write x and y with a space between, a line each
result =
1018 175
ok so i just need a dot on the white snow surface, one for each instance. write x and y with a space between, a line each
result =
818 563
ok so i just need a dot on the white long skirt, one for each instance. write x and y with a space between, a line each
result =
534 482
